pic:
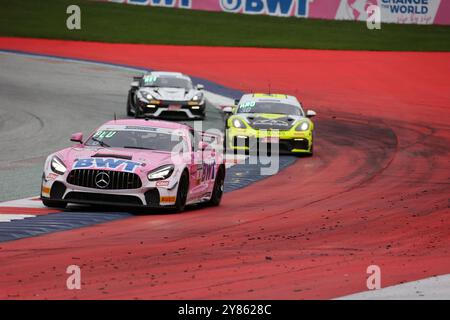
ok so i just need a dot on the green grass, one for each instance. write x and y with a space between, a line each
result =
110 22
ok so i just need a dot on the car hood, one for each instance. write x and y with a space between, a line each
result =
271 121
115 159
170 94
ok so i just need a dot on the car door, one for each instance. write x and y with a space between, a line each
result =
197 169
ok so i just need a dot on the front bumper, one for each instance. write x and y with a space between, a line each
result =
284 141
172 109
150 195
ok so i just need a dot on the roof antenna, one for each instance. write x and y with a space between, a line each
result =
115 118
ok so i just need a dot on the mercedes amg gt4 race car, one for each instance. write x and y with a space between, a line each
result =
165 95
132 162
274 122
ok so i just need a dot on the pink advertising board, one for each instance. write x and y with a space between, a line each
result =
392 11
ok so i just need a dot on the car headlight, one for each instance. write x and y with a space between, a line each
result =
302 126
145 95
238 123
195 98
161 173
57 165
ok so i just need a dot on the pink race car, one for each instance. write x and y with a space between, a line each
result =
136 163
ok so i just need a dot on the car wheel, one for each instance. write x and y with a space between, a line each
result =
183 188
312 151
54 204
129 113
217 192
137 112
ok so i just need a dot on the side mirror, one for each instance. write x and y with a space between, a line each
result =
135 84
199 87
310 113
202 145
227 110
236 102
77 137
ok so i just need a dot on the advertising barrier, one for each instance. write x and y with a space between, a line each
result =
392 11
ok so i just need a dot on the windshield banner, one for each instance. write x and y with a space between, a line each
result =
392 11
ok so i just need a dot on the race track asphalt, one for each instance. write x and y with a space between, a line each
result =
376 192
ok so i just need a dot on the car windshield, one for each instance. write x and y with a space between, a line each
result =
269 107
144 139
166 82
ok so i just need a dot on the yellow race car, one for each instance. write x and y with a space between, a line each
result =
275 122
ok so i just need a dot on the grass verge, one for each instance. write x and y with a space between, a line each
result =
111 22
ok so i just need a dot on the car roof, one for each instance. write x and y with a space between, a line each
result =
149 123
169 74
270 97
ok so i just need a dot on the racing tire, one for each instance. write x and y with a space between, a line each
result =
217 192
309 154
183 188
129 113
54 204
137 113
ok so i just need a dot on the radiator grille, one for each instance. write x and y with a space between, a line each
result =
104 179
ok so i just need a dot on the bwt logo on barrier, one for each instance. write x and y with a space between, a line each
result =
187 4
281 8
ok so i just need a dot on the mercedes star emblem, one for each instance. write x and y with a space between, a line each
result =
102 180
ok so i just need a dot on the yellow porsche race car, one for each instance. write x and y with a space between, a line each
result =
276 122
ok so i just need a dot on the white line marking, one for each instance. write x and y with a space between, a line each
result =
23 203
10 217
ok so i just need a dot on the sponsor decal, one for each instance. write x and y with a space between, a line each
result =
206 195
163 183
280 8
271 122
104 134
149 79
160 3
271 140
51 176
208 171
247 107
167 199
205 172
392 11
106 163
